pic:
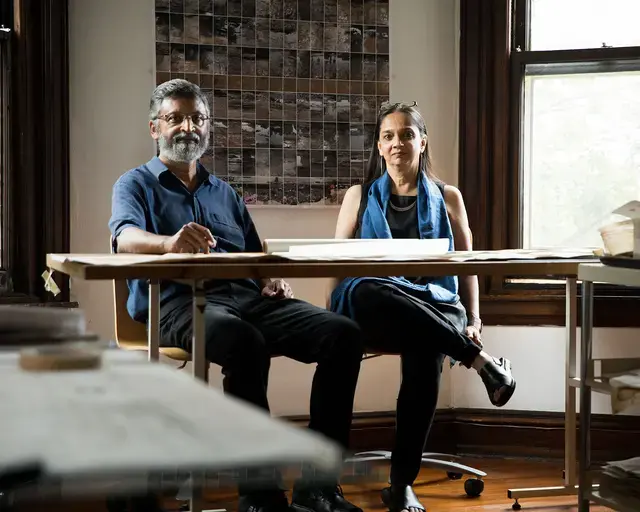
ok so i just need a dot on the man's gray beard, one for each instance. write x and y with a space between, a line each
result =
183 151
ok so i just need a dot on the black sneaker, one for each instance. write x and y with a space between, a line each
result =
325 499
498 380
263 501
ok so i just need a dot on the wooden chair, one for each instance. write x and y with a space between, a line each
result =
132 335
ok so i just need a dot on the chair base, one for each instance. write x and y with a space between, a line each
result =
443 461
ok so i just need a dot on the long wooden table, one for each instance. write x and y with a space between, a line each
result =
197 269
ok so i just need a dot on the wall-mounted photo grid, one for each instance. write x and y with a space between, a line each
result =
294 85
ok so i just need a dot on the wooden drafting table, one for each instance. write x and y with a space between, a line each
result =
196 269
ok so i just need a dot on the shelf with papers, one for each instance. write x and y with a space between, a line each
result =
619 378
612 503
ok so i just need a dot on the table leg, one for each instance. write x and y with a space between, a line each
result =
198 342
586 350
200 369
570 392
153 326
570 486
196 504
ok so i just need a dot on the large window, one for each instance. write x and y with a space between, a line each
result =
581 154
550 123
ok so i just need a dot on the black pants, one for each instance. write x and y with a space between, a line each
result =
422 333
244 330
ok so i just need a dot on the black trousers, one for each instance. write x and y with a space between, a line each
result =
422 333
244 330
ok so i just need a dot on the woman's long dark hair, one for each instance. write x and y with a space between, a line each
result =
376 165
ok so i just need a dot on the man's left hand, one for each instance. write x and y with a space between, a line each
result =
278 289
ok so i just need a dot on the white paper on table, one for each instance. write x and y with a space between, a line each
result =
363 253
373 248
141 259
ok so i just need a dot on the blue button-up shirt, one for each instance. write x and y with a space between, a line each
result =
153 199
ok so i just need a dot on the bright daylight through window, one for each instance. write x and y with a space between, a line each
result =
581 131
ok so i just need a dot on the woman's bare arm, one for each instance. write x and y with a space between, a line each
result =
346 224
463 239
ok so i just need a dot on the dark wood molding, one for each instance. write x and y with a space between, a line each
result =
526 310
495 433
38 179
490 166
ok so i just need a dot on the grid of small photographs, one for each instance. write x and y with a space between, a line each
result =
294 85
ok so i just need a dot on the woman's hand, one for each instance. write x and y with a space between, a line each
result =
474 333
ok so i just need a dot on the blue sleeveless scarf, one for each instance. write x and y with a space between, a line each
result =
433 222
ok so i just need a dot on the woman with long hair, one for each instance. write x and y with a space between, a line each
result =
423 319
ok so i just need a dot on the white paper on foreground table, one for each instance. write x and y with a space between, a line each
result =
132 415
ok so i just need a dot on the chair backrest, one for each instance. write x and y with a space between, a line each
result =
129 333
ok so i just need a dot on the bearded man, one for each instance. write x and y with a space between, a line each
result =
172 204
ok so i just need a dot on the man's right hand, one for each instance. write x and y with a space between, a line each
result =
192 238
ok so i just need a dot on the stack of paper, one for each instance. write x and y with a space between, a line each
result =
620 481
22 325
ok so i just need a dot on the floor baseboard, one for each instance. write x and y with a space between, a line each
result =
498 433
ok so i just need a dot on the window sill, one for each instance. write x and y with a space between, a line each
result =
527 310
17 299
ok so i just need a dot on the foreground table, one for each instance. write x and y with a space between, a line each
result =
109 428
196 269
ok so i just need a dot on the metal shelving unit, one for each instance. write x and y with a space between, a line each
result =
593 376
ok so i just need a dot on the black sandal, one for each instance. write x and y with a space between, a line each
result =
398 498
496 375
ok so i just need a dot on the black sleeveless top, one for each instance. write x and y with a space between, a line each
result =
402 217
402 213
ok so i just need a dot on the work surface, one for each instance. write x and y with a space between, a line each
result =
132 416
259 265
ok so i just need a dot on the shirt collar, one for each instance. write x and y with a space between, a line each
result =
156 167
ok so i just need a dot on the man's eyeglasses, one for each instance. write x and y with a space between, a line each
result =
176 119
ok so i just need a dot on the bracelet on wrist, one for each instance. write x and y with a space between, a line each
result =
475 321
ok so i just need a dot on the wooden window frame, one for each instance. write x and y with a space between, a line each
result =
493 57
35 160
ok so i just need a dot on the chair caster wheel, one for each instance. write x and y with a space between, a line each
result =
473 487
516 506
454 476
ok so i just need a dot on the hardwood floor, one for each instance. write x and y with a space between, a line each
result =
436 492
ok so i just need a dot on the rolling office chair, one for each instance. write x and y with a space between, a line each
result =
472 486
446 462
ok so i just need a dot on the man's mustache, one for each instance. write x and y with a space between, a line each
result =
186 138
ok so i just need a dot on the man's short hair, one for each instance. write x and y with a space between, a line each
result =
176 88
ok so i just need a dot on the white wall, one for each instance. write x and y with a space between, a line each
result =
111 79
112 75
538 357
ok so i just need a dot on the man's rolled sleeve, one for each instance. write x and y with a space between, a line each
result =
252 242
128 207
